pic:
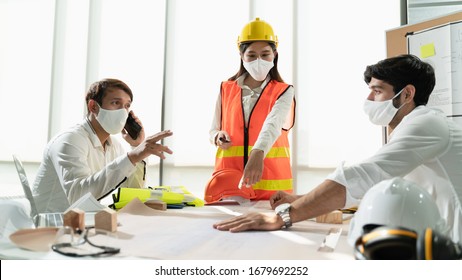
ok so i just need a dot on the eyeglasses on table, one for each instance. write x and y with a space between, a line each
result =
89 242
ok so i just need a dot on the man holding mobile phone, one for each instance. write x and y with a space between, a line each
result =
88 158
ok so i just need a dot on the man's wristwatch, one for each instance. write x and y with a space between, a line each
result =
283 211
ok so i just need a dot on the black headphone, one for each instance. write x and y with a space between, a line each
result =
398 243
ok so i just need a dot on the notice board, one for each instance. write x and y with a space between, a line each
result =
439 42
396 38
441 47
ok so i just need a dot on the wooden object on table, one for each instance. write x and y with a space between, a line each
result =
74 218
155 204
334 217
106 219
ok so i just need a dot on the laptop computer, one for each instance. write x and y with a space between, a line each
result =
45 219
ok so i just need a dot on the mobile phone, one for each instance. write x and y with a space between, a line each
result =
132 127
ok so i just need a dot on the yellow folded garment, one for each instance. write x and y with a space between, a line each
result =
167 194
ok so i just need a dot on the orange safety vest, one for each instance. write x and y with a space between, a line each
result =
277 172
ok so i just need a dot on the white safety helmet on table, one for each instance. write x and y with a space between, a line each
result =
396 203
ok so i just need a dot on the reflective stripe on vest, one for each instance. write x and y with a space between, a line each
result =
238 151
273 185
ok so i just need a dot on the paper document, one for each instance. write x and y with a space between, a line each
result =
88 203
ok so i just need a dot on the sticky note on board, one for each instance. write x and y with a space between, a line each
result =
427 50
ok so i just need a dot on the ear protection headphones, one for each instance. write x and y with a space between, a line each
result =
398 243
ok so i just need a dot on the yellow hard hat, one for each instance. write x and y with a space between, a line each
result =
257 30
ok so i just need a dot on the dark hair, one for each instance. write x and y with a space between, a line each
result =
403 70
98 89
274 73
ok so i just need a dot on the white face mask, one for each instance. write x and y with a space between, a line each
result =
112 121
258 68
381 112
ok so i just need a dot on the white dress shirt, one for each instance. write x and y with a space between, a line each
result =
75 163
272 126
426 148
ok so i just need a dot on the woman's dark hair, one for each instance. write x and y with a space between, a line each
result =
98 89
403 70
274 73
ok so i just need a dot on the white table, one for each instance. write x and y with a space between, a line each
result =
187 234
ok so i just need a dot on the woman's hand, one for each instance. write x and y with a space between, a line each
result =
253 169
223 140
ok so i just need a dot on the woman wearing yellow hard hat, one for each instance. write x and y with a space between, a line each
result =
254 112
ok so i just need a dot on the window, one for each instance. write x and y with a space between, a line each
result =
334 48
176 53
25 73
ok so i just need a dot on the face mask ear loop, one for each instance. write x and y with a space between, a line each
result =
399 93
397 96
99 108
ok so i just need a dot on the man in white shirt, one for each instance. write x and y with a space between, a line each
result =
88 158
424 147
